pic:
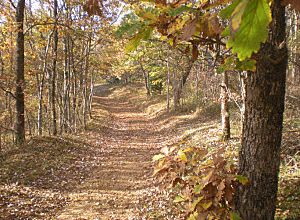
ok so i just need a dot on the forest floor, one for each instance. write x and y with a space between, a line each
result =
106 171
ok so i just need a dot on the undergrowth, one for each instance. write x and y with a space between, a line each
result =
206 133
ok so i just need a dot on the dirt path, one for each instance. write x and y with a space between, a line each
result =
125 143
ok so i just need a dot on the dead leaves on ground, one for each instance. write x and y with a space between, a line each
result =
20 202
33 179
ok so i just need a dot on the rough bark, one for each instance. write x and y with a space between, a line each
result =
259 156
20 81
225 107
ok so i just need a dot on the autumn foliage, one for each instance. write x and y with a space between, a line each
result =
203 181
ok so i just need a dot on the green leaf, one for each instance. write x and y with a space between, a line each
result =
178 11
252 30
248 64
144 34
147 14
133 43
237 14
179 198
242 179
158 157
226 32
129 26
229 64
227 12
234 216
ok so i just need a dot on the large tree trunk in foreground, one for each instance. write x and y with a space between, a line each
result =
259 157
20 81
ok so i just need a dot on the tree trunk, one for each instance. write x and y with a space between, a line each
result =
66 84
85 83
174 89
197 82
178 88
0 140
90 100
146 79
41 88
53 81
225 107
20 81
259 156
168 86
243 76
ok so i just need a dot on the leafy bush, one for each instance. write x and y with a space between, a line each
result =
203 182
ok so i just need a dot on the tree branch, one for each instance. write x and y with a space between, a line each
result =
12 4
8 92
7 129
47 23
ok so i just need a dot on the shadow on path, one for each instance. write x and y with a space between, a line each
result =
127 140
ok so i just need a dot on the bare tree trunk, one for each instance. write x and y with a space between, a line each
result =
243 77
197 83
66 86
90 100
168 86
67 75
174 88
48 106
10 108
0 140
225 107
259 156
85 84
178 86
146 78
29 125
74 89
41 88
20 80
53 81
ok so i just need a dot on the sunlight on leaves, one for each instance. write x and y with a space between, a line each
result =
249 29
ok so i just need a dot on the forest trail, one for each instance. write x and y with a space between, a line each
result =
125 143
105 172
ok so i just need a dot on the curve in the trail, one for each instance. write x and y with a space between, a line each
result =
124 144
